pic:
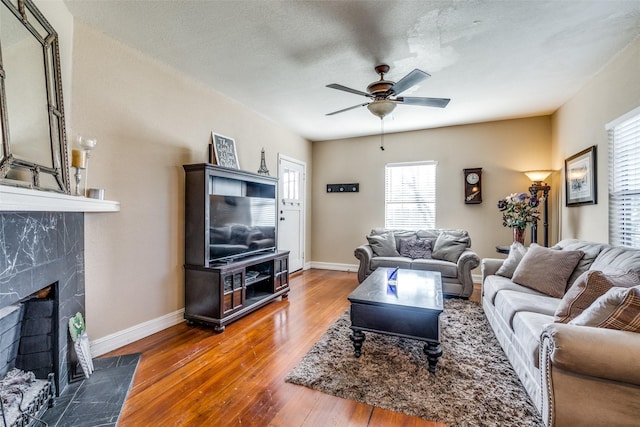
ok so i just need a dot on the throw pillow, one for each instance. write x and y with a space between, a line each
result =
546 270
415 248
383 244
601 308
516 252
591 251
589 287
618 309
449 246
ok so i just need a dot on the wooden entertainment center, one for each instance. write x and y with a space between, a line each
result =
221 287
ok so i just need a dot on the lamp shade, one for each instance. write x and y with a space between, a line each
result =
381 107
538 176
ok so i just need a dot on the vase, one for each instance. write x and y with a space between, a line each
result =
518 234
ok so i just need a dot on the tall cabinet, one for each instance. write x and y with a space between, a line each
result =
219 290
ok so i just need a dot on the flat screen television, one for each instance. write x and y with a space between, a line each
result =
241 226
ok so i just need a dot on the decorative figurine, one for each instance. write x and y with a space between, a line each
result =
263 164
78 332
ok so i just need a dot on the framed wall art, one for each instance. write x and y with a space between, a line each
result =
223 151
581 178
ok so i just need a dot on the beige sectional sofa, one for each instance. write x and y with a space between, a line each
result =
576 375
447 251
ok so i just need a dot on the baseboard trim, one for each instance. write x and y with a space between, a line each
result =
352 268
477 278
142 330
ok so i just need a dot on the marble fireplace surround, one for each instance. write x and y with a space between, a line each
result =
42 236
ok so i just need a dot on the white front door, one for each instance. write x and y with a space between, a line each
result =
291 185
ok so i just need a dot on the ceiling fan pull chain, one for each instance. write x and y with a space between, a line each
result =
381 134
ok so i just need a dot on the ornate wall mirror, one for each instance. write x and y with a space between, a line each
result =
34 148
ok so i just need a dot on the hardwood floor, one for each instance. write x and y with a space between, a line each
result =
191 376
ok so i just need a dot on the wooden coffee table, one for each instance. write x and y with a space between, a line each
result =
411 309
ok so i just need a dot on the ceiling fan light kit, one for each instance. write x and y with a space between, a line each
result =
384 93
381 107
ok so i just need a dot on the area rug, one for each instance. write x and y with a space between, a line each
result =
474 384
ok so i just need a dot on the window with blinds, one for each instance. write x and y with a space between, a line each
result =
624 180
410 195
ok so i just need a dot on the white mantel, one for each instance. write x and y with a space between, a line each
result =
15 199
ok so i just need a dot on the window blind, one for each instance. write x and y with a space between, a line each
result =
410 195
624 180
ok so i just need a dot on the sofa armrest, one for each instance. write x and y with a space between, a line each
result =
490 266
589 376
364 253
596 352
467 262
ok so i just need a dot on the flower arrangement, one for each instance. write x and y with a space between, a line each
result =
519 210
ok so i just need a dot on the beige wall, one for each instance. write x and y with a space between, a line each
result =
503 149
149 121
580 123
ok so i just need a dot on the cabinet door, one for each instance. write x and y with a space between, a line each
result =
233 291
281 273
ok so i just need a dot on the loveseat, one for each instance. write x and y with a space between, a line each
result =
446 251
578 361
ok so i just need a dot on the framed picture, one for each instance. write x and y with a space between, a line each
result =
223 151
581 178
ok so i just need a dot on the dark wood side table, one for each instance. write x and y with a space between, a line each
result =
409 309
503 249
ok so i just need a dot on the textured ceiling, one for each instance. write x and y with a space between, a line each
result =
494 59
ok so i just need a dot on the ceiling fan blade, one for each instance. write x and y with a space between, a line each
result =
425 102
410 80
348 89
347 109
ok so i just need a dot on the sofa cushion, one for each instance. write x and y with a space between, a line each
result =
591 251
397 234
508 303
588 287
450 244
619 258
391 262
383 244
516 252
446 268
546 270
431 234
527 327
494 284
415 248
618 308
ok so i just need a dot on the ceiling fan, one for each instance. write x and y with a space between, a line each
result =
384 93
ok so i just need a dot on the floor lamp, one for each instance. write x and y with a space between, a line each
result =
537 185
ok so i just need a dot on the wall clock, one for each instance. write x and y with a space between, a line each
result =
473 186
